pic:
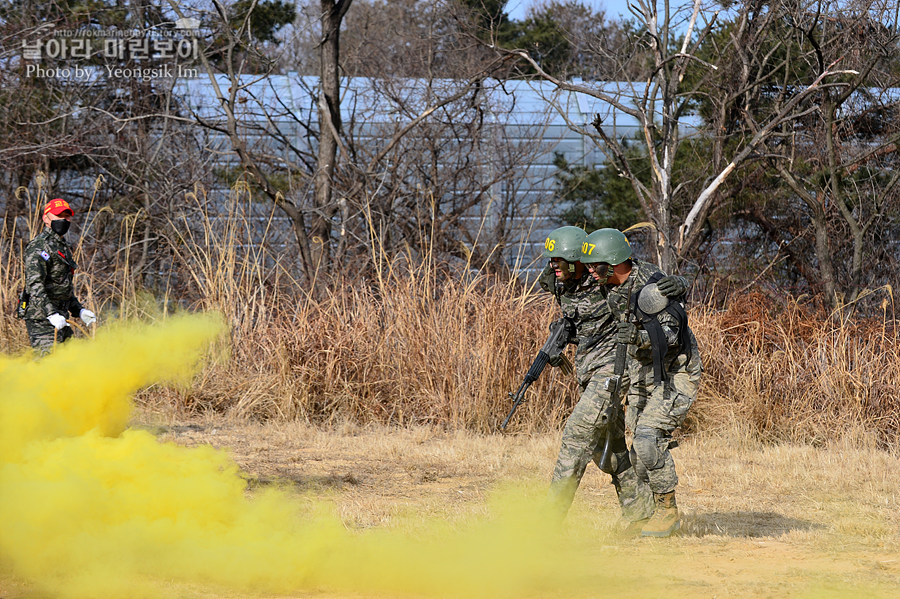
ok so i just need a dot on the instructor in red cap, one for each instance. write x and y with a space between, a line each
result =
49 296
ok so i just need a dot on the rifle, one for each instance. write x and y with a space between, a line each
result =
560 332
612 414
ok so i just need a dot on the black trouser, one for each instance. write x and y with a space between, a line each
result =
43 335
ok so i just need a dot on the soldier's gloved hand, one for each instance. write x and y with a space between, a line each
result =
57 320
87 317
627 333
672 286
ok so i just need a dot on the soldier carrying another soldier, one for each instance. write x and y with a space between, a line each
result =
594 279
49 295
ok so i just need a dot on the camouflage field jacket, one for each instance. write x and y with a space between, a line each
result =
595 310
49 269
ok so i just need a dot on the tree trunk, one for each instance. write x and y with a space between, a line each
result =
823 254
329 128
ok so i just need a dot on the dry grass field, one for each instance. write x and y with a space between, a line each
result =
760 520
360 424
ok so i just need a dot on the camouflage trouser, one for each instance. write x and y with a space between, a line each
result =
42 334
653 414
582 441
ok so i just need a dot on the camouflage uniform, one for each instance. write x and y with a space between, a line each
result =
49 269
655 410
585 302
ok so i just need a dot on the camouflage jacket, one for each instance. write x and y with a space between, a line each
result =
595 310
49 269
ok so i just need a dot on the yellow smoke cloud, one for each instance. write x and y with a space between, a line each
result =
89 508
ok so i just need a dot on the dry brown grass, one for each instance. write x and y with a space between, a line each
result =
789 372
395 353
12 242
416 342
726 479
760 519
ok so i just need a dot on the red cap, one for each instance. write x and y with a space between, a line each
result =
58 207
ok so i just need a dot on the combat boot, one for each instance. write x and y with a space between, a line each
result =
665 520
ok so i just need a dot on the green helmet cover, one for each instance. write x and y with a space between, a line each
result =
565 243
605 245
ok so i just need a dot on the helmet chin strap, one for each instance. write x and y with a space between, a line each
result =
610 272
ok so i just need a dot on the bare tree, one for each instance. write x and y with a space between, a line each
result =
48 124
674 38
378 157
447 181
329 114
840 161
116 147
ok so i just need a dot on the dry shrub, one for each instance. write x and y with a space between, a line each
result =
12 330
422 347
13 233
795 373
413 342
418 342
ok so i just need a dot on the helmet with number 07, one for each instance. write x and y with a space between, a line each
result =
565 243
605 245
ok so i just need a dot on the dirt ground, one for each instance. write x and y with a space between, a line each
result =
759 520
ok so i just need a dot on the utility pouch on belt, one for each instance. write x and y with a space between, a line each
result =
23 303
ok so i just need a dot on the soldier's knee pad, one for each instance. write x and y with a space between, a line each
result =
646 447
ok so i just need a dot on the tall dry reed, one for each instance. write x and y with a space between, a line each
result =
13 235
12 331
412 340
791 372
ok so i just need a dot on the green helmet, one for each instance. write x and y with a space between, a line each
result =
605 245
565 243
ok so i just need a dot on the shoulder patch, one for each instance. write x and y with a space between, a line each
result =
45 256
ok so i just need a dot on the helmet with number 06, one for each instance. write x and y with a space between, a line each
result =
565 243
605 245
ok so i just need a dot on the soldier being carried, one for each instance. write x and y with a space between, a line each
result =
616 299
